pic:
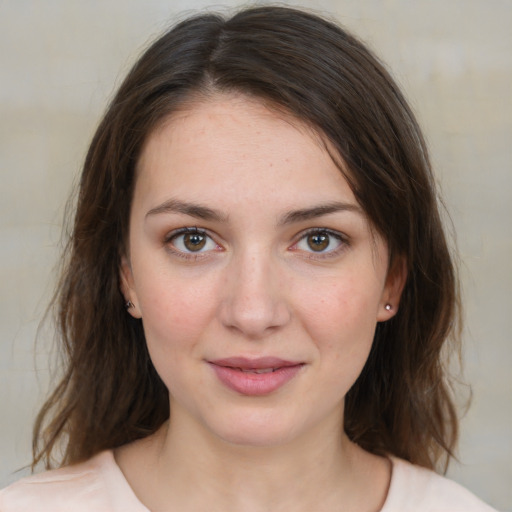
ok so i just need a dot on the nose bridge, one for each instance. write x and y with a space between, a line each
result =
254 299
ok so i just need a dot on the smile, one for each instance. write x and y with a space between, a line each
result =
259 371
255 377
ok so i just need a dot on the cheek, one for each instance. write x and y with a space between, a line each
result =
341 321
340 306
175 316
175 310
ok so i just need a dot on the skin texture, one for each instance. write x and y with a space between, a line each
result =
262 285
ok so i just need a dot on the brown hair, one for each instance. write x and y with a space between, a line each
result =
110 393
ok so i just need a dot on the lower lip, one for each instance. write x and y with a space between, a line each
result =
255 384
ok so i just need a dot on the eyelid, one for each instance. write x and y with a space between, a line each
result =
169 237
181 231
341 237
344 242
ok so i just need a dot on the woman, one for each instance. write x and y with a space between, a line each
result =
257 290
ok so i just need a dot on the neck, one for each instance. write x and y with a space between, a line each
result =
194 470
258 477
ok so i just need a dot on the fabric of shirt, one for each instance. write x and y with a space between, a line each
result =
98 485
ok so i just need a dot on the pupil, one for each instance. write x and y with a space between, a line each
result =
194 241
318 241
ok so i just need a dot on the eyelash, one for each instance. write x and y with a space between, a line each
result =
341 238
316 255
190 256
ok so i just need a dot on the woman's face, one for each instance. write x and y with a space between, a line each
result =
255 273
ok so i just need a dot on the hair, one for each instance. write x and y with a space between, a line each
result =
110 393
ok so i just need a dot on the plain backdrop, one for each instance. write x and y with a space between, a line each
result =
60 61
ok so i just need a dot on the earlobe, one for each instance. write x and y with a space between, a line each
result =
395 282
127 288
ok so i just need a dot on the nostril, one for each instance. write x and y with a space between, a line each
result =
255 317
253 301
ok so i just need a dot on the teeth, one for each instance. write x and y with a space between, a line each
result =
259 370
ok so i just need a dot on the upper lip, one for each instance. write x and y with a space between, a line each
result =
258 363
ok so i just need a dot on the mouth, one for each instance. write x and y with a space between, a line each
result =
258 371
254 377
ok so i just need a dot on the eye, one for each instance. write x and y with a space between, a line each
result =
320 241
192 240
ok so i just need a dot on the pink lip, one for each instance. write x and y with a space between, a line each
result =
230 372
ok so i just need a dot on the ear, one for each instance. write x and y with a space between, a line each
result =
128 288
395 282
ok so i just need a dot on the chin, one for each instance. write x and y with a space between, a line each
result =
256 430
256 439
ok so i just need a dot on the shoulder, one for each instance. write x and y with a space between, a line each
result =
416 488
96 484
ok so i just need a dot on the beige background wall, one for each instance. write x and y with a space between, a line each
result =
59 61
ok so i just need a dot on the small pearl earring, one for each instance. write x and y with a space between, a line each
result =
388 307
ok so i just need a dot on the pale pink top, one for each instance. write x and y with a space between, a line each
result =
98 485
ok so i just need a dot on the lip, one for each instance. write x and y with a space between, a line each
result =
240 373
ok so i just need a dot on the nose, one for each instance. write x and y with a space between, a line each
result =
253 301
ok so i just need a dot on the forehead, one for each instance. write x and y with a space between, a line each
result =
234 145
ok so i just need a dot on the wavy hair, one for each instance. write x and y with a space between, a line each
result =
110 393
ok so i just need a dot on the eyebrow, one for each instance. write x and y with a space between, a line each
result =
205 213
191 209
318 211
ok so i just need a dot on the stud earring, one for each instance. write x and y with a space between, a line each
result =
128 304
388 307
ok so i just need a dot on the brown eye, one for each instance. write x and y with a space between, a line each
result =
321 242
194 241
318 241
